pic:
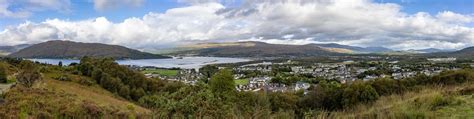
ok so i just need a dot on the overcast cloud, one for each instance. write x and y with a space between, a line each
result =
350 22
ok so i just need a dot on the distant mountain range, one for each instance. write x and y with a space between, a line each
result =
464 53
256 49
68 49
260 49
354 49
11 49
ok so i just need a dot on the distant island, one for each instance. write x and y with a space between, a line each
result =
74 50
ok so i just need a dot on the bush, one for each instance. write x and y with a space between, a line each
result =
29 74
467 91
3 75
63 78
87 82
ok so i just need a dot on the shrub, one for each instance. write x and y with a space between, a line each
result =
467 91
3 75
87 82
63 78
29 74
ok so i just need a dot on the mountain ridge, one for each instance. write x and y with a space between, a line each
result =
256 49
69 49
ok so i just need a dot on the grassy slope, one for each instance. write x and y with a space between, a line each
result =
92 93
429 102
54 98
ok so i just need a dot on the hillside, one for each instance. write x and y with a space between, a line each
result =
428 102
5 50
463 53
355 49
68 49
258 49
54 98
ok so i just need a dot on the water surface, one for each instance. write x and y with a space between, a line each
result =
184 63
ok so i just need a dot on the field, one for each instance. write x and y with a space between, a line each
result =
164 72
241 81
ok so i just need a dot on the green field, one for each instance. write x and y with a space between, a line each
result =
241 81
164 72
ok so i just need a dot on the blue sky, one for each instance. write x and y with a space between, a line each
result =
84 9
449 24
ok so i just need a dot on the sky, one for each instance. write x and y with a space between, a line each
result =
158 24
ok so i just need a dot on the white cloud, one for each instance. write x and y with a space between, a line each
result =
350 22
25 8
195 2
449 16
110 4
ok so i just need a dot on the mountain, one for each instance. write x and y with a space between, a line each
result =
463 53
355 49
257 49
428 50
69 49
431 50
466 52
11 49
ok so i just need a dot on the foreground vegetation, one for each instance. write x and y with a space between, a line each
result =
102 88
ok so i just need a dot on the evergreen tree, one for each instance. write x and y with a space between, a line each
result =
3 74
60 63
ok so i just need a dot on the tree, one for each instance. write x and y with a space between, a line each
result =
3 74
222 82
60 63
124 91
29 74
283 101
208 71
358 92
137 93
97 75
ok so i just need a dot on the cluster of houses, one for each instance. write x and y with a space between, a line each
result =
264 83
343 72
340 71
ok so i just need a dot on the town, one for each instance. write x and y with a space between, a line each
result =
294 76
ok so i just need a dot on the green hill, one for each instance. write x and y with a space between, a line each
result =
52 98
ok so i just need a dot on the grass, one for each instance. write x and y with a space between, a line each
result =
242 81
93 93
429 102
51 98
164 72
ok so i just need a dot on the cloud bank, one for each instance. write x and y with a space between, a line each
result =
350 22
